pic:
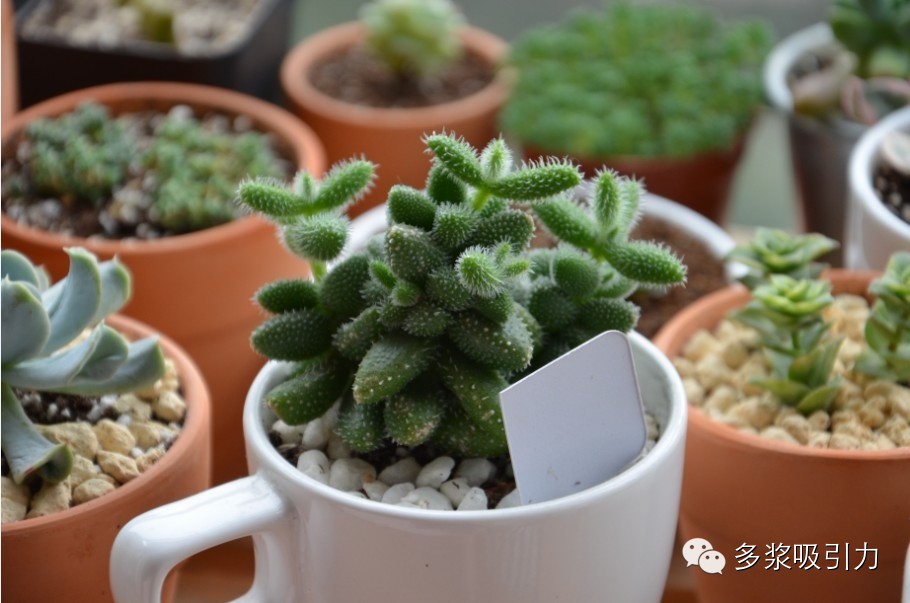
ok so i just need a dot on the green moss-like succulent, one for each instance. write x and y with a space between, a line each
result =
413 37
44 350
636 80
86 155
428 326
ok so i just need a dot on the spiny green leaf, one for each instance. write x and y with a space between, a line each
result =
445 288
514 226
537 181
413 415
566 221
495 160
296 335
407 205
285 295
576 274
496 308
389 365
345 183
458 157
479 272
270 198
320 237
405 293
340 291
505 347
460 436
412 254
443 187
646 262
552 308
312 389
361 426
426 320
604 314
477 389
453 225
354 338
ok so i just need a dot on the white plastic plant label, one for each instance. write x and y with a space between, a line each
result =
576 422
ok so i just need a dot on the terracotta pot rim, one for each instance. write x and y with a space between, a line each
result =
293 133
299 90
733 296
197 423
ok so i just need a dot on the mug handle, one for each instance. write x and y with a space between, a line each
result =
150 545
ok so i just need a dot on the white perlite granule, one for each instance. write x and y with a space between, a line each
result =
441 484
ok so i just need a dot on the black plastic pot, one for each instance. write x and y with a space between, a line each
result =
51 66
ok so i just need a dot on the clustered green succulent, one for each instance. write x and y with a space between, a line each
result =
85 155
870 79
156 18
786 311
413 37
636 80
888 326
55 340
788 297
418 333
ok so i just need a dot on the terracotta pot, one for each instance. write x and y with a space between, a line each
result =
701 182
197 287
741 488
8 71
66 556
390 137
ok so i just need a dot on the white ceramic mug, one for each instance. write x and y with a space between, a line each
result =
873 233
314 544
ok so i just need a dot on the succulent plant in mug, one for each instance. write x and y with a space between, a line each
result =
55 340
418 333
869 76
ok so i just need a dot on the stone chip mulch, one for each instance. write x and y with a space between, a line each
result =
116 441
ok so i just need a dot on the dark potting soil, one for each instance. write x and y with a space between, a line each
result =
129 212
706 274
357 77
893 188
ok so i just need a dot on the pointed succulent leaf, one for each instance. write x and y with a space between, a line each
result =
443 187
495 160
392 316
444 287
382 274
340 290
460 436
25 324
312 389
286 295
412 253
361 426
17 267
537 181
479 272
295 335
109 354
320 237
820 398
426 320
605 314
79 300
411 416
493 206
477 389
25 449
345 183
354 338
530 323
607 200
389 365
790 392
144 365
270 198
458 157
504 347
453 225
514 226
646 262
814 369
116 289
565 220
407 205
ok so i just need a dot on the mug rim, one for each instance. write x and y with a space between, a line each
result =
270 462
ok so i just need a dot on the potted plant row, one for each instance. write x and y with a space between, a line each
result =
662 92
101 421
237 45
799 425
374 86
147 174
833 80
878 214
380 412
